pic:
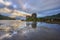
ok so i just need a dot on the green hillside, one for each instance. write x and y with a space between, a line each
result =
6 18
57 16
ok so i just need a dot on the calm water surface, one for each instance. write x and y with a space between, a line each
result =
32 31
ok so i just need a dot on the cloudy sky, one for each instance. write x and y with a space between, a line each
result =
41 7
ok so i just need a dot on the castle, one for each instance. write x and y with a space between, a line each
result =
32 17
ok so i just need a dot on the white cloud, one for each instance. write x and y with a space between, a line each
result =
34 5
7 3
1 1
38 5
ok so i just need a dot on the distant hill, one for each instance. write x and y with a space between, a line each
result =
57 16
6 18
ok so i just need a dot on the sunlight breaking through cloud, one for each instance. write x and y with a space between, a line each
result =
13 13
7 3
32 6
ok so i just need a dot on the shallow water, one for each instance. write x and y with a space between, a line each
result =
29 31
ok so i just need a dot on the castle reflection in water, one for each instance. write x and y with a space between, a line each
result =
20 30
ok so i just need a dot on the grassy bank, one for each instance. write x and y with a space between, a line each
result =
52 19
6 18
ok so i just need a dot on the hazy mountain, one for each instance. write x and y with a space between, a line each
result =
6 18
57 16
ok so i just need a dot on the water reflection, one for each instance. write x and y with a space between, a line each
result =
31 31
32 24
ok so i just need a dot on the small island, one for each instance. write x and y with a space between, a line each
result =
53 18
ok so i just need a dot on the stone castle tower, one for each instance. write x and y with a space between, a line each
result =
34 15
